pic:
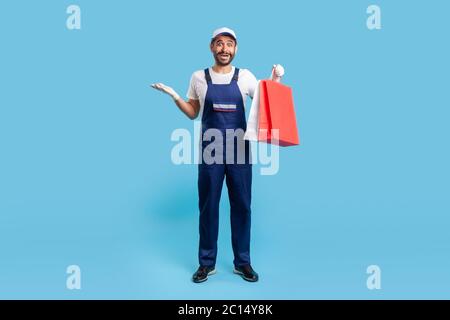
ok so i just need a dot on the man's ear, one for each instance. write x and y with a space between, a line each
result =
211 47
235 50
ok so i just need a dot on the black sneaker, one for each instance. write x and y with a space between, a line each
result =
202 273
247 273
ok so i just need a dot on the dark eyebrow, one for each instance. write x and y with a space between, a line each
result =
227 41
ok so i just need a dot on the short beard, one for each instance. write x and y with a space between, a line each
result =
220 63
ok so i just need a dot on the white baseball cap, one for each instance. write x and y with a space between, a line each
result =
224 31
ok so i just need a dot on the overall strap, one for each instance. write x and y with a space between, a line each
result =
208 76
236 75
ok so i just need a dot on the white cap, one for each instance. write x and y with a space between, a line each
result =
224 31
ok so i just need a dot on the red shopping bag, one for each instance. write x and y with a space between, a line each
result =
277 124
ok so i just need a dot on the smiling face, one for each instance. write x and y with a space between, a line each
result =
223 48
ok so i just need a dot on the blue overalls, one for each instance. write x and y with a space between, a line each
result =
224 109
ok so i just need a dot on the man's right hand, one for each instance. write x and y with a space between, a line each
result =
168 90
191 108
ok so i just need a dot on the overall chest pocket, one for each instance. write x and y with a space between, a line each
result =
224 107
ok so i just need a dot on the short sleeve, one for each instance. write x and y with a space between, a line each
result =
192 92
252 83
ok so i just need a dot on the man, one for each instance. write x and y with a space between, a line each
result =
218 94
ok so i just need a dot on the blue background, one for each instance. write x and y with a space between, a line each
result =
86 176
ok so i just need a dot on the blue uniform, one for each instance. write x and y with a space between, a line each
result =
224 109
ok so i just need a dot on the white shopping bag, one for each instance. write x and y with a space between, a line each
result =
253 118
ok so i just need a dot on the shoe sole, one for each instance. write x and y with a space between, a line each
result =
209 274
244 277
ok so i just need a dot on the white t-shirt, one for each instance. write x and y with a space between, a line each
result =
197 88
